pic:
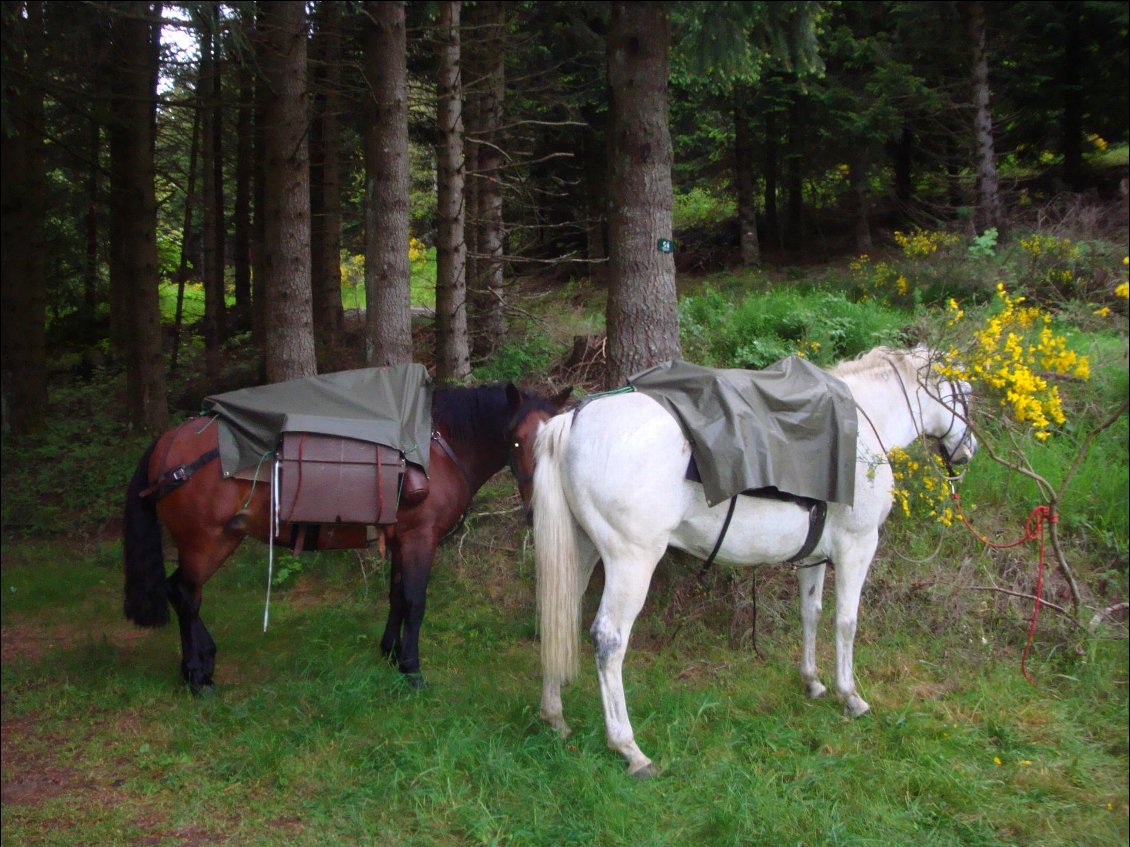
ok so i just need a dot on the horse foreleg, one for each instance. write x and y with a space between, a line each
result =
415 571
626 584
390 641
198 650
811 581
852 565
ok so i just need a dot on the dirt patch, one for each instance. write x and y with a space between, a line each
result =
26 641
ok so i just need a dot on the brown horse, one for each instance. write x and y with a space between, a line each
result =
476 431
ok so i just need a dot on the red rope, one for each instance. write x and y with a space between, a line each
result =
1033 531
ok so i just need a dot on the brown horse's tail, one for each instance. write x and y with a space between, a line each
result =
146 601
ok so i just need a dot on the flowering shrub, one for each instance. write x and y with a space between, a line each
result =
1014 355
920 243
920 488
879 281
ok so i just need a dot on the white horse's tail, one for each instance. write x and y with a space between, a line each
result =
555 539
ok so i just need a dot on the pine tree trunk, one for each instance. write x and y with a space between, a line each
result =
289 331
1074 93
22 290
903 167
989 214
857 176
794 174
325 192
453 355
212 194
244 163
772 177
258 202
388 315
133 208
490 321
485 229
186 233
642 317
744 181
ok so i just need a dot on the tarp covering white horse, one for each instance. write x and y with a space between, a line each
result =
609 485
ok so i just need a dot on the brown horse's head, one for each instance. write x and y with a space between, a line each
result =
530 411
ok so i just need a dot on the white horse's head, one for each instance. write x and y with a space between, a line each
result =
943 404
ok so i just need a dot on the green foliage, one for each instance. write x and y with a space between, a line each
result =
701 207
68 480
763 327
984 246
517 360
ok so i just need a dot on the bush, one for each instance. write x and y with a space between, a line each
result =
764 327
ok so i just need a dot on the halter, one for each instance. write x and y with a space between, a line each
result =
947 455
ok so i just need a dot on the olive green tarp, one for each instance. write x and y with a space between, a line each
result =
791 426
390 406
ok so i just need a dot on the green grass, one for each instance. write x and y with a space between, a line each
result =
312 739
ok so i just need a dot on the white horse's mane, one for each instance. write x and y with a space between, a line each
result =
909 364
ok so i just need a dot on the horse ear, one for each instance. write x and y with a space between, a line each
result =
513 397
562 397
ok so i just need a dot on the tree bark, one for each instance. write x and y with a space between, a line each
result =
133 208
325 176
860 192
744 181
244 164
453 355
289 331
212 170
22 290
186 232
772 177
794 173
642 314
388 308
492 323
490 304
1074 92
989 213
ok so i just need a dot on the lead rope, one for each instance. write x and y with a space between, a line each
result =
274 527
1034 525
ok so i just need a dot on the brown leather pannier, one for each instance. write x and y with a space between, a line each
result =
330 479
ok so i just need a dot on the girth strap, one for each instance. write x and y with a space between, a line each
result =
817 515
174 478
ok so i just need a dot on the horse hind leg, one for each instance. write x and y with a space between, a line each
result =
811 581
626 585
198 650
552 710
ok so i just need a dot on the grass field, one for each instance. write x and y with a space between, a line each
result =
312 739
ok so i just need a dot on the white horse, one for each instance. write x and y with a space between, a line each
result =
609 485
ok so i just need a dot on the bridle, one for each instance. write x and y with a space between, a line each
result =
955 395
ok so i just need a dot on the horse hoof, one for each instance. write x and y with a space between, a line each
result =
648 771
559 726
205 690
855 706
814 690
415 681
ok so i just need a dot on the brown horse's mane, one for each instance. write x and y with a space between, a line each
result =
481 414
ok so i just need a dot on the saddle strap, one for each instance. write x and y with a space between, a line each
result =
174 478
817 515
721 535
438 438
